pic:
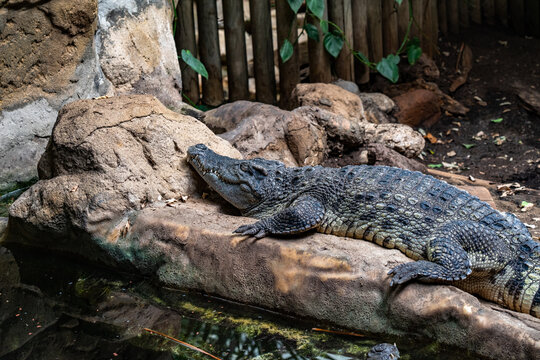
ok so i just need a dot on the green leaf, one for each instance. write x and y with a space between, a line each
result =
525 204
434 165
312 31
414 51
333 43
399 2
324 26
316 7
387 67
286 51
194 63
468 146
363 57
295 5
496 121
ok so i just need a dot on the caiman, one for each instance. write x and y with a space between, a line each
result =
455 238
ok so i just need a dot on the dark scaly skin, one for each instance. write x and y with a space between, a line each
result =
455 237
383 351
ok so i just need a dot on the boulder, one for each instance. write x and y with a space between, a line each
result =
379 108
108 156
331 98
262 130
344 134
418 107
376 154
54 52
340 281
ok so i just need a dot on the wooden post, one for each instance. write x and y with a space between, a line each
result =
501 9
418 25
403 20
390 26
453 15
184 38
434 26
476 11
360 36
289 74
532 11
488 8
235 43
430 28
263 53
374 16
209 51
517 15
319 59
463 14
443 19
340 13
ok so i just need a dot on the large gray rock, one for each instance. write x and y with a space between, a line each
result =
54 52
340 281
108 156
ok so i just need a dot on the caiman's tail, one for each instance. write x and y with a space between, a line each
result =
519 281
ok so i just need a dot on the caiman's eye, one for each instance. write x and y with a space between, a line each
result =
244 167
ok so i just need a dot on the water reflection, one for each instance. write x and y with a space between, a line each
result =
54 307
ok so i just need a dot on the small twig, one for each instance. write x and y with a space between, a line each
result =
181 343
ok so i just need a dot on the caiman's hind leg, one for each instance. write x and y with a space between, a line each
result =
454 252
305 213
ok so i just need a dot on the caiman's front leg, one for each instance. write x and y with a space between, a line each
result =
304 214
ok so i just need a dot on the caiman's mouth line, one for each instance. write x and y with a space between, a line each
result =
195 159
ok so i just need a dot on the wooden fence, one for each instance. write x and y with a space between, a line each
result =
374 27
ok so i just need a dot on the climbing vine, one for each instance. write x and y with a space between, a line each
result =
334 39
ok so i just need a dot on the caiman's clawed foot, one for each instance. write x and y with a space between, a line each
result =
424 270
256 229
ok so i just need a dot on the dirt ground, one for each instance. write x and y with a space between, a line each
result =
508 151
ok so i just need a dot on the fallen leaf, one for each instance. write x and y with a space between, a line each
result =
432 139
451 153
452 165
499 140
433 166
480 136
468 146
526 206
496 121
472 178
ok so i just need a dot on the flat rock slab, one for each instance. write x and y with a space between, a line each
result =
338 280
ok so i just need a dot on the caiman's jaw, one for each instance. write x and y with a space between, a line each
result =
237 181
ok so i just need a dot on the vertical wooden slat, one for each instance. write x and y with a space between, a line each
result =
427 25
263 53
235 43
517 15
184 38
360 38
390 27
434 25
289 74
488 8
319 59
443 19
374 15
475 10
452 6
403 19
418 25
464 14
501 9
212 88
340 13
532 11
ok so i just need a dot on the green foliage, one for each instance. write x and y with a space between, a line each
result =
194 63
333 43
399 2
295 5
388 68
414 51
468 146
286 51
316 7
312 31
496 121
